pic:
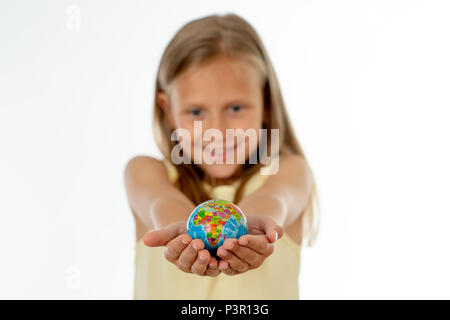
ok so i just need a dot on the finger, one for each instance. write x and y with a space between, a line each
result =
213 267
162 237
189 255
273 230
213 263
174 248
225 268
249 256
212 272
274 233
201 263
234 262
258 243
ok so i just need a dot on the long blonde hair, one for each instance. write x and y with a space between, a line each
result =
206 38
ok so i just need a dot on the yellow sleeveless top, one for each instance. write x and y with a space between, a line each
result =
277 278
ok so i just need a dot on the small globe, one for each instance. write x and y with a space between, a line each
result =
214 221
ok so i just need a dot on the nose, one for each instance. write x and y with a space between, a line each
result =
218 122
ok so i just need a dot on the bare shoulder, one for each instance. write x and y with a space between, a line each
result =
144 167
294 163
293 171
144 162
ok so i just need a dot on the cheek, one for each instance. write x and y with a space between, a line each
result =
189 145
252 125
185 138
252 121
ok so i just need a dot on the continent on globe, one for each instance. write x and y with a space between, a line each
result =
213 221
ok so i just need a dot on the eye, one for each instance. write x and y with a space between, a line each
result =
235 108
195 111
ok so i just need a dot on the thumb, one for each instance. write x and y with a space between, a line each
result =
161 237
273 230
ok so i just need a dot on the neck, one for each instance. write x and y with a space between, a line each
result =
214 182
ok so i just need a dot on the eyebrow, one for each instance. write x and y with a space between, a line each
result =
229 103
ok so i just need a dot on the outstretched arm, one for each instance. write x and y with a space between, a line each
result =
162 207
152 197
274 206
284 195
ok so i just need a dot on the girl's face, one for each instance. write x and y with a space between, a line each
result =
223 93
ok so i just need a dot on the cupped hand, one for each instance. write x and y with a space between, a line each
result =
249 251
179 248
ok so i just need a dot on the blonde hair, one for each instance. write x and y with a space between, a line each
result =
231 35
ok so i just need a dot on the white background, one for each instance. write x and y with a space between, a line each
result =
366 84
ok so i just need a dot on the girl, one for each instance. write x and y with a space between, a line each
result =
216 72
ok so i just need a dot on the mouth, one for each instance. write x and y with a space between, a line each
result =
222 153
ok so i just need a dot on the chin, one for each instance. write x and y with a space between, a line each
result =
220 171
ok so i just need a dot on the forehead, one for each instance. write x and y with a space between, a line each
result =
217 79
